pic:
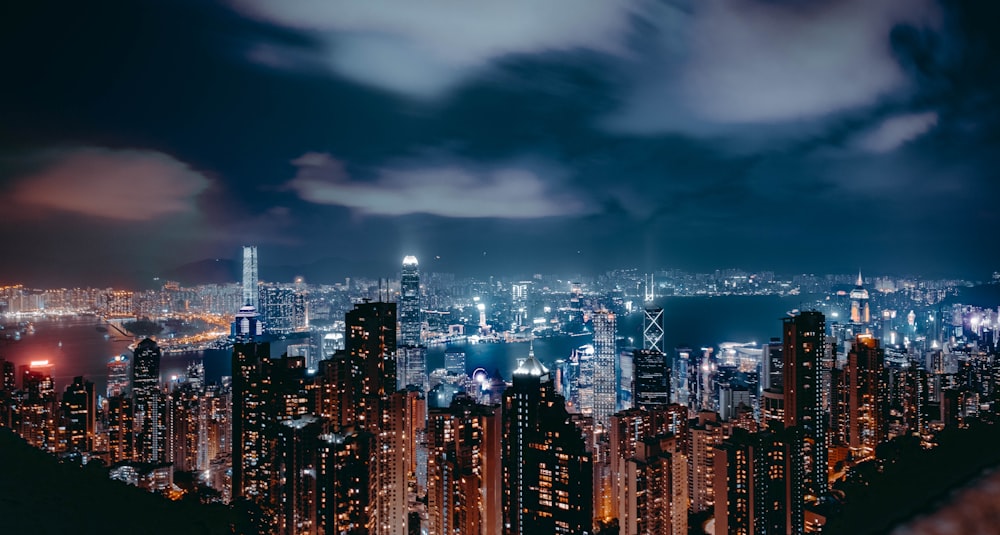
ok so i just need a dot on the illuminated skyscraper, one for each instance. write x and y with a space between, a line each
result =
548 472
370 339
605 387
346 475
149 404
118 376
282 309
409 303
79 414
250 276
804 344
860 312
868 409
412 367
519 292
251 394
652 329
750 478
652 379
460 454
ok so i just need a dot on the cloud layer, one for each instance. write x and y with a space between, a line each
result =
128 185
447 190
423 48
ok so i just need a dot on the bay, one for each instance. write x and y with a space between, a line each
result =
75 347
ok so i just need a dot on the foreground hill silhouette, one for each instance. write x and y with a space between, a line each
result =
38 494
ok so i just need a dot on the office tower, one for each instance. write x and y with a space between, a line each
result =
118 376
868 407
370 339
250 276
460 451
519 303
412 367
148 404
454 362
804 343
652 329
771 363
79 415
282 309
346 482
705 435
680 375
547 471
750 477
605 388
652 379
409 303
247 326
860 312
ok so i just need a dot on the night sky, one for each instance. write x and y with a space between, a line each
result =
499 137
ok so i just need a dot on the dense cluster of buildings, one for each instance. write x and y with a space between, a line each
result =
362 438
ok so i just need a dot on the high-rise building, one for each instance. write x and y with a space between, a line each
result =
652 379
370 339
868 409
296 490
149 404
282 309
860 311
771 363
412 367
519 303
459 457
605 387
804 346
454 362
346 473
652 329
637 463
250 276
118 376
705 434
251 396
547 471
79 415
409 303
749 474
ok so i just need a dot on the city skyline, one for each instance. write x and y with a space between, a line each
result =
631 133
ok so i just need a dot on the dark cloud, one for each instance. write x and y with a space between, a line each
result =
695 134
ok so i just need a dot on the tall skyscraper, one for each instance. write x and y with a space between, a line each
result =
250 276
652 379
251 393
149 404
118 376
547 469
412 367
79 414
370 339
804 344
652 329
460 453
867 388
409 303
750 478
605 387
860 311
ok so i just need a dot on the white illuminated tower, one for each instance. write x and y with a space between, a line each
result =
250 276
652 329
409 303
605 389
